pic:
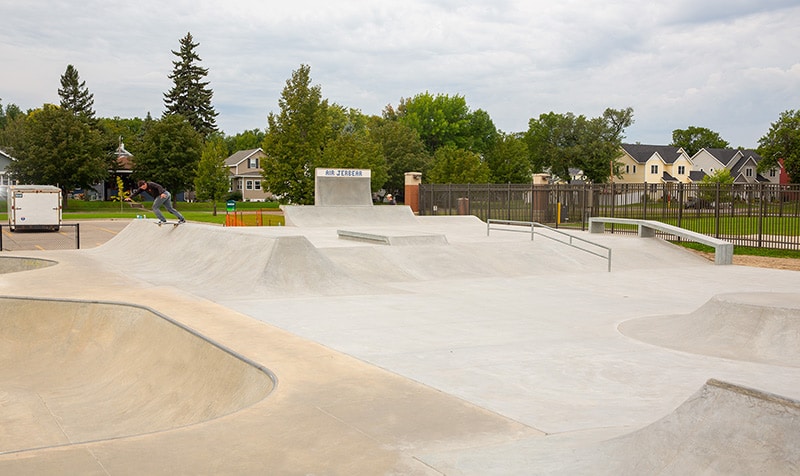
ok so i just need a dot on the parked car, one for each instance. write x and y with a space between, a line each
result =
695 202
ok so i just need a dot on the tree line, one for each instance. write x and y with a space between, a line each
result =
436 134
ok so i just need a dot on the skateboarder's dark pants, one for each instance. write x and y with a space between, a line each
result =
167 203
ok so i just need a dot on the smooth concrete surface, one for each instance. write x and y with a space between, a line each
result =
487 355
83 371
313 216
342 187
10 264
756 327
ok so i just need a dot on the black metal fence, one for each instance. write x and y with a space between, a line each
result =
757 215
68 236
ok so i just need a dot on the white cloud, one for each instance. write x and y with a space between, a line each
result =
729 66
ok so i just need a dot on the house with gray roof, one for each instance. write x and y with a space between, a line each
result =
741 163
641 163
247 175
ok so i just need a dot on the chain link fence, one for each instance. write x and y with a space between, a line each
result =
756 215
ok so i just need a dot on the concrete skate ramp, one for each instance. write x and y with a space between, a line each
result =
10 264
225 262
308 216
756 327
721 429
73 372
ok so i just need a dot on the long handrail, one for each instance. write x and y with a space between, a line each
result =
533 225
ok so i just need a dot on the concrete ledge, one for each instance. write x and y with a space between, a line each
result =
317 216
723 250
393 238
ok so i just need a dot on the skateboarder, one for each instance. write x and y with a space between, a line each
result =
160 197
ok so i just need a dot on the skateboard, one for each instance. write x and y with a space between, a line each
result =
173 223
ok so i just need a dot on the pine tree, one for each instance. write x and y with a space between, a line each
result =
75 96
190 96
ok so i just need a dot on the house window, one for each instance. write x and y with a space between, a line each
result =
654 169
249 185
257 184
748 172
627 169
681 170
772 172
252 163
634 169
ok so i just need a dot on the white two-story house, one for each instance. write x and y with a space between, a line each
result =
742 164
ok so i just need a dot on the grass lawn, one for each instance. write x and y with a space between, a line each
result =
201 212
743 250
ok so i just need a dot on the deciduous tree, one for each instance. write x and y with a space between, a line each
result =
557 142
295 139
53 146
453 165
694 138
402 149
600 143
782 142
508 160
352 145
213 177
250 139
168 153
444 120
553 142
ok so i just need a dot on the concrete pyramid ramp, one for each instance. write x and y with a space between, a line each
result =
721 429
225 262
756 327
296 267
73 372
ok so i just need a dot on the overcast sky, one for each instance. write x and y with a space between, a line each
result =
728 65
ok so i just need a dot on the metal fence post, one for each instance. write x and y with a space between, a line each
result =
716 210
488 201
77 236
508 200
1 237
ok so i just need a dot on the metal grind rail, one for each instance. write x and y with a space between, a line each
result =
571 241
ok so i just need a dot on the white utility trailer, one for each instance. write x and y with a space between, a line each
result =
34 207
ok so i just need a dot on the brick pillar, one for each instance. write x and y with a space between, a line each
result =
411 195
